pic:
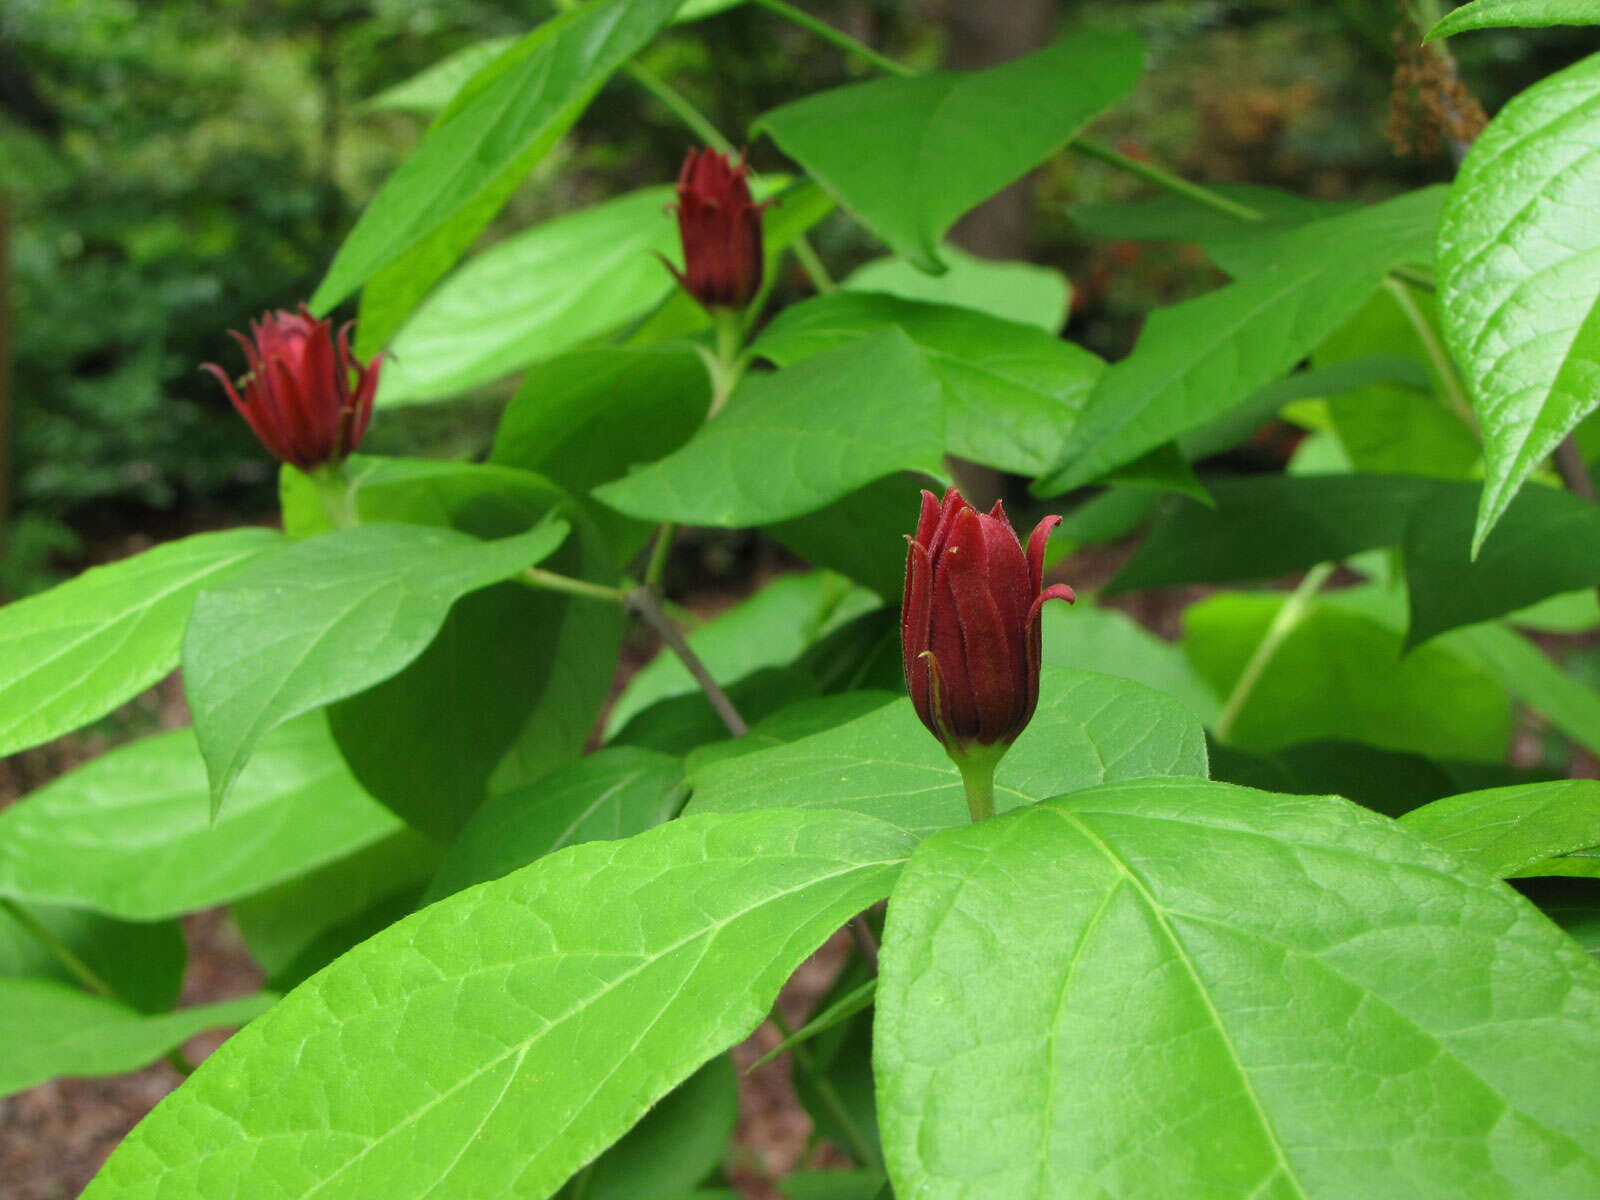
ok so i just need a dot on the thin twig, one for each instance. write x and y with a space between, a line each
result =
865 941
551 582
1570 465
642 602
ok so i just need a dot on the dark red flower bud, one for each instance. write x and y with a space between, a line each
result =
970 628
298 396
720 228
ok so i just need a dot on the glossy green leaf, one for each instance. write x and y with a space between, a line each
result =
129 833
1075 1000
301 925
1012 291
429 91
434 740
326 619
1340 674
1089 729
792 441
769 629
1010 391
909 156
1515 14
499 125
860 535
77 651
611 794
1091 638
1197 360
1171 217
676 1145
640 959
801 719
1519 277
51 1030
1507 830
142 962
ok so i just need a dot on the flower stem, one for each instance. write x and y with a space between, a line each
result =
726 363
337 494
551 582
977 776
659 553
1283 624
682 108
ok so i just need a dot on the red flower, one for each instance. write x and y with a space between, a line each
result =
970 623
720 229
298 397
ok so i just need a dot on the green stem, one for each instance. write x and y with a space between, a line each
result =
78 969
551 582
681 107
1283 624
1165 179
337 494
977 776
659 552
812 265
1442 366
726 362
837 36
861 1146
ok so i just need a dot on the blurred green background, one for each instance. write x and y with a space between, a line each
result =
171 168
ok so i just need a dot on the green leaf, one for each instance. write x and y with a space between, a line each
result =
1520 667
1012 291
791 723
769 629
1340 675
1087 637
1519 277
1265 526
142 962
639 959
502 122
861 535
1171 217
1507 830
431 90
909 156
77 651
1011 392
301 925
1089 729
833 1185
1516 14
790 442
434 740
678 1143
50 1030
842 1009
128 833
1197 360
326 619
1547 542
593 415
1075 1000
609 795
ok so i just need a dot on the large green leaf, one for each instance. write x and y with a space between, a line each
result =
769 629
1013 291
50 1030
326 619
438 1057
473 157
432 741
611 794
909 156
1197 360
1340 674
128 833
792 441
1011 391
429 91
1518 14
1189 989
141 962
1089 729
1519 277
301 925
1509 829
861 535
1090 638
70 654
1173 217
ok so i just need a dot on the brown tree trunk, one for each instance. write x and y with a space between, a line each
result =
981 34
